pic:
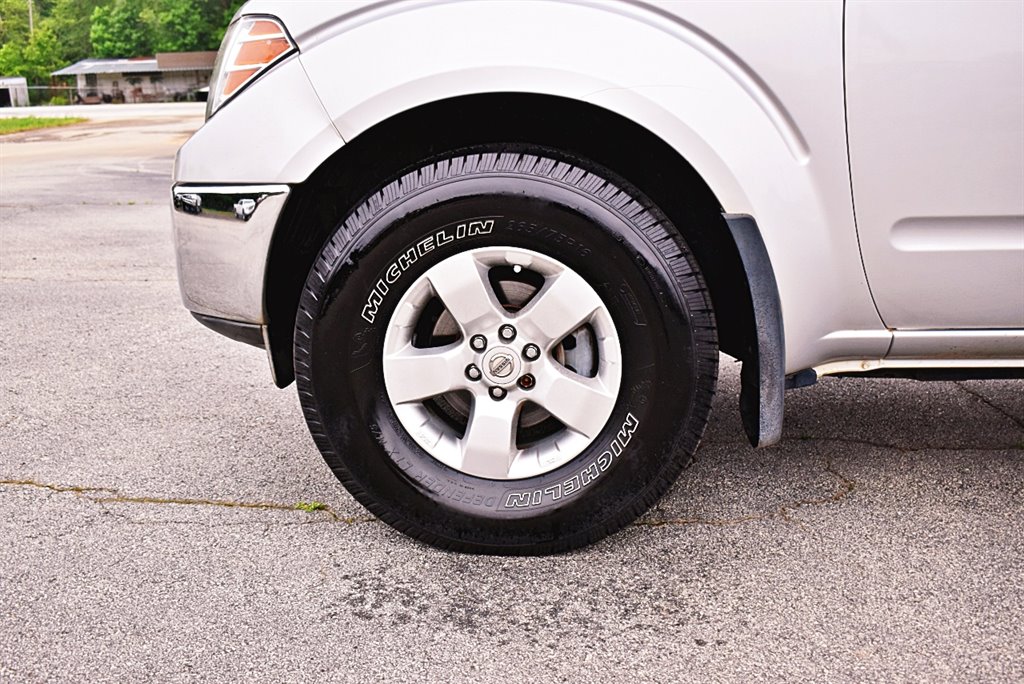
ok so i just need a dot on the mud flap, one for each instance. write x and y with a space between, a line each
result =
763 378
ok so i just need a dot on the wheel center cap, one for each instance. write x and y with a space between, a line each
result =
501 365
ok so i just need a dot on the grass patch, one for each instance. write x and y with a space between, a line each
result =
18 124
311 506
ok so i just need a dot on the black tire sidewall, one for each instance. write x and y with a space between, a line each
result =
360 434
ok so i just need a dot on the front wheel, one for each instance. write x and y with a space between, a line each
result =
506 352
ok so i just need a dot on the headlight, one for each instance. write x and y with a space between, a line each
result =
251 46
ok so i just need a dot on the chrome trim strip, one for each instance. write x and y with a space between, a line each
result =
222 237
867 365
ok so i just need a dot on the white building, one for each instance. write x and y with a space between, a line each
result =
168 76
13 92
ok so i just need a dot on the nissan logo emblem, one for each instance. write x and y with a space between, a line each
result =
500 365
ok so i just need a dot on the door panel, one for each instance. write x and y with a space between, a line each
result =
935 102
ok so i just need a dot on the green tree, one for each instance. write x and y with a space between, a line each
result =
69 30
41 55
13 22
186 25
72 20
22 51
129 28
120 29
34 59
221 12
181 26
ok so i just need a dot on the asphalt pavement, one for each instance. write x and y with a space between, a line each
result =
150 470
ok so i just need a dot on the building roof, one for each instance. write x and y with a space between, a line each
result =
185 61
108 66
164 61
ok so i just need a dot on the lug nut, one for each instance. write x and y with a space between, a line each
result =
527 382
472 372
531 352
507 333
497 393
478 342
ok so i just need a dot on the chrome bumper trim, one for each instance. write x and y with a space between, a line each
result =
222 237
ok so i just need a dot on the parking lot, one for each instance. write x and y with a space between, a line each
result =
150 472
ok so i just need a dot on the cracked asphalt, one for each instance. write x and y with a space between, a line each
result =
150 472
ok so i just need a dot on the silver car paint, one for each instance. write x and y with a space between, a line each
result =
936 107
751 93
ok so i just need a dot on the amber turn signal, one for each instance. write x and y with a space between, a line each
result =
250 47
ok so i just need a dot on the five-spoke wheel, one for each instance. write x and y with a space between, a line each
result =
535 348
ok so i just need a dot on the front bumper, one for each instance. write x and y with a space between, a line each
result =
222 238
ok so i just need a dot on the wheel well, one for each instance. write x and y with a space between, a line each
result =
375 157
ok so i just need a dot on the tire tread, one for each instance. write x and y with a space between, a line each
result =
631 205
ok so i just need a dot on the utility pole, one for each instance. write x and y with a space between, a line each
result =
31 24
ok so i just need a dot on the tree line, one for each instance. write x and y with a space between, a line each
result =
38 37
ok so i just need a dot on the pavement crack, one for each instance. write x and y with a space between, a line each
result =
222 503
1018 421
108 495
195 523
846 487
74 489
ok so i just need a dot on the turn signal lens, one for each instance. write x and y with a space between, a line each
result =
251 46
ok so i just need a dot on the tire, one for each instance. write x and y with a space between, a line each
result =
389 314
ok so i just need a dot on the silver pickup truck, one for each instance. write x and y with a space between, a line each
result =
498 245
